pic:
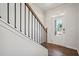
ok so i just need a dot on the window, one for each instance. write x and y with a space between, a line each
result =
58 25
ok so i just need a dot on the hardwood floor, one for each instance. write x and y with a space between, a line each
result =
56 50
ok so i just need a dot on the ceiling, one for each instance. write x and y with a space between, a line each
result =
47 6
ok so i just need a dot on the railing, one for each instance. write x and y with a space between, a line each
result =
21 17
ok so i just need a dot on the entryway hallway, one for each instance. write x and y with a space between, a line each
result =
57 50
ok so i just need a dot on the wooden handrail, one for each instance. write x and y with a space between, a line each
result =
29 7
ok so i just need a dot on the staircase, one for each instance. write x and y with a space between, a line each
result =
20 18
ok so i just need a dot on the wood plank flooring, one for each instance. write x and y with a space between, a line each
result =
56 50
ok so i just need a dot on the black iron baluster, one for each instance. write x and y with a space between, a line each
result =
37 31
0 16
41 33
25 18
28 23
8 13
20 19
32 26
15 15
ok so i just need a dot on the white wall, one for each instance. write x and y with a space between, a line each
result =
69 38
13 43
